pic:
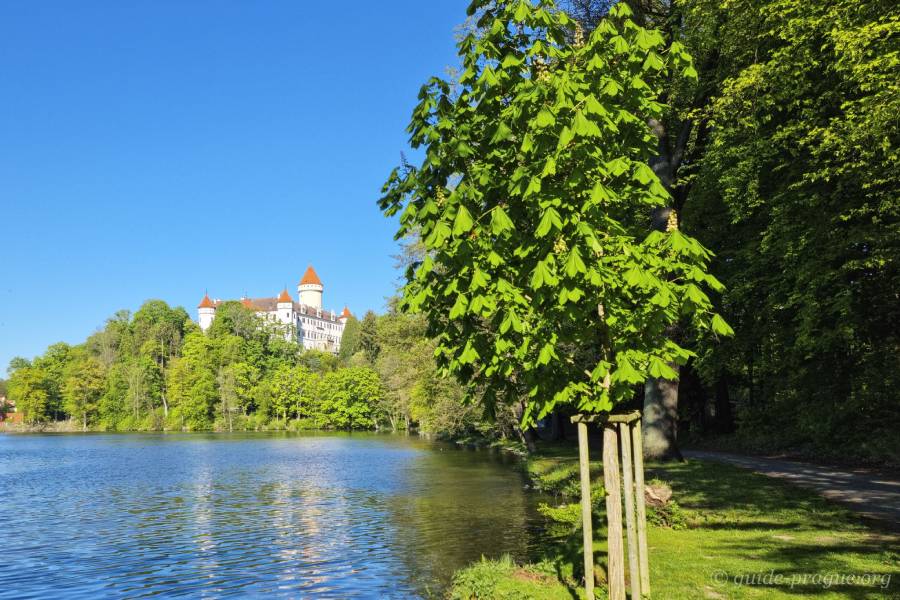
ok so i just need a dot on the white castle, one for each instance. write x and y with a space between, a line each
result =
304 321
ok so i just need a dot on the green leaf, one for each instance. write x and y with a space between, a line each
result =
625 372
596 62
469 354
511 60
459 307
565 136
662 298
534 186
546 354
659 369
678 242
634 277
600 193
542 275
438 235
720 327
488 77
500 221
696 295
479 278
584 126
550 218
617 166
611 88
593 106
463 221
653 62
527 143
574 264
523 10
544 118
643 174
644 39
501 134
712 282
549 167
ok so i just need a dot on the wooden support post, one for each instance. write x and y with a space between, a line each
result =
634 575
616 556
643 559
587 530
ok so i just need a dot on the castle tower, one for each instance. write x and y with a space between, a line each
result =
285 307
345 314
311 289
206 311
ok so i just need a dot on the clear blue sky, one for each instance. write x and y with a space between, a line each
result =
158 149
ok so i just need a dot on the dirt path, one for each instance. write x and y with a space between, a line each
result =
868 492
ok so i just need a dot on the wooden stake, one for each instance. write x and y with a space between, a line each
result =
630 527
641 508
616 556
586 528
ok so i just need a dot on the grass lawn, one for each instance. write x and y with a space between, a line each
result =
735 534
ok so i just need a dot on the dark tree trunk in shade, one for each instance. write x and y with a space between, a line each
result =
660 422
526 435
724 416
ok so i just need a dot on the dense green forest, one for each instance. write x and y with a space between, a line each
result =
155 370
775 141
772 126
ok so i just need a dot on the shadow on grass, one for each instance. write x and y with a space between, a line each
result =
737 495
806 536
747 522
813 569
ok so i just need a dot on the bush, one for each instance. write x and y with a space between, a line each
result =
503 580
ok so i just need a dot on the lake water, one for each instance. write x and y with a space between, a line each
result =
326 516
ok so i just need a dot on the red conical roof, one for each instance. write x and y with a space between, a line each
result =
206 302
310 277
246 302
345 314
284 296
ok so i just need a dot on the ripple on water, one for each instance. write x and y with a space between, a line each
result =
246 515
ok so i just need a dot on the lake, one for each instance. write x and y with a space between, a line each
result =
326 516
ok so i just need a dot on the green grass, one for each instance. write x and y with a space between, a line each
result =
739 526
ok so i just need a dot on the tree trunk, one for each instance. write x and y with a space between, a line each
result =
724 418
556 427
660 425
661 395
526 435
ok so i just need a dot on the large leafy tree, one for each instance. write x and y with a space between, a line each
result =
191 381
83 388
713 35
28 390
348 397
350 339
293 391
532 202
54 362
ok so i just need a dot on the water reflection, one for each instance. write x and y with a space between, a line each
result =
244 515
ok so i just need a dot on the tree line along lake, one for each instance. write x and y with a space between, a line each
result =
275 514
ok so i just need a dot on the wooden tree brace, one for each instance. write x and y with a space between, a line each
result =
620 432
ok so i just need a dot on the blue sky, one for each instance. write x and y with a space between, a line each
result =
158 149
